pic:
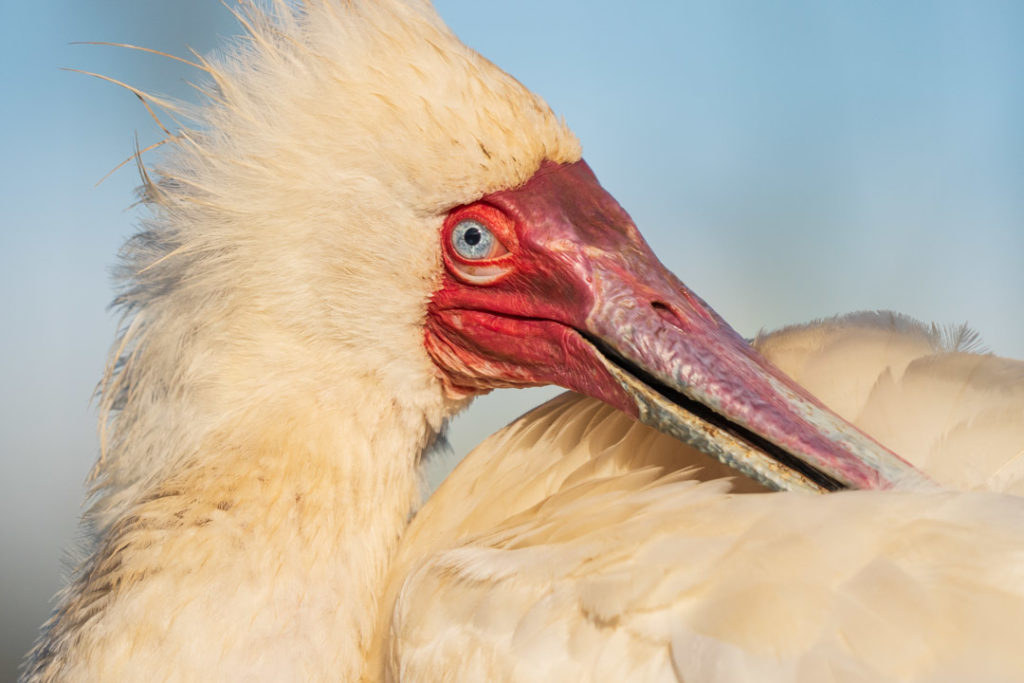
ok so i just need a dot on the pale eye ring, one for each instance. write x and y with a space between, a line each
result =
472 240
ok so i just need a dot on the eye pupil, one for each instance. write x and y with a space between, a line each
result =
473 236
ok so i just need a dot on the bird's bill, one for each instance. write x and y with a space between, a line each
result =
577 298
703 384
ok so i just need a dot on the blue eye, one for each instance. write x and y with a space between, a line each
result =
472 240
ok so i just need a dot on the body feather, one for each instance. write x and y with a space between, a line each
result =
607 551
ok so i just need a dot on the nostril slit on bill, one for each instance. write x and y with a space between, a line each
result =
666 313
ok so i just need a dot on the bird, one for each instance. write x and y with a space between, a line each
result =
367 224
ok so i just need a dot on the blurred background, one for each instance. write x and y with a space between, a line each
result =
789 160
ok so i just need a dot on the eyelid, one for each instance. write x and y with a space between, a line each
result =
481 275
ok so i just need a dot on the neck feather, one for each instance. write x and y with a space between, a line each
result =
258 510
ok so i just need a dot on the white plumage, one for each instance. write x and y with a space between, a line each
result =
270 396
607 551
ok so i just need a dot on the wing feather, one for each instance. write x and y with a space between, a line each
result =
956 414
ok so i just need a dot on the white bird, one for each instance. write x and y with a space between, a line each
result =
367 225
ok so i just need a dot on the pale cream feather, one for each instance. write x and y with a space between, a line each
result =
920 390
596 553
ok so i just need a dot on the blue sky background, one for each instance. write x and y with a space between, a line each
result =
788 160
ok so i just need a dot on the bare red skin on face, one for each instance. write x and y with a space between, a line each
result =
520 329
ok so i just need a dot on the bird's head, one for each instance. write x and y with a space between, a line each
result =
365 184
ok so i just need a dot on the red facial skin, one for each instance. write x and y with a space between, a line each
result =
571 265
521 329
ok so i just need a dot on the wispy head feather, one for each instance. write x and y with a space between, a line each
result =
303 192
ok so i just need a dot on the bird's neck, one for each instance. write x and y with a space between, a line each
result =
307 506
263 543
